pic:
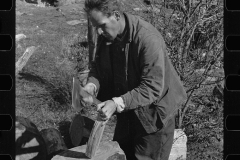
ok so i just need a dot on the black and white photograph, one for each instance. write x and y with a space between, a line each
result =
119 80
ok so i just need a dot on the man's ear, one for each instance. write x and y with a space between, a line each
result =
117 15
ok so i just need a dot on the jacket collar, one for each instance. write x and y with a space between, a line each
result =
129 25
125 35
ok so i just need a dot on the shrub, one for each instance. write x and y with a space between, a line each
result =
193 31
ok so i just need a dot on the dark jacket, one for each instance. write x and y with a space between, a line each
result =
154 88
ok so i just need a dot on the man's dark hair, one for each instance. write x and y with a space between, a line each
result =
105 6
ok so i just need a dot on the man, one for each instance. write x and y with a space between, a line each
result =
133 77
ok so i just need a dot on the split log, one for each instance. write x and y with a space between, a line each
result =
108 150
95 138
24 58
29 142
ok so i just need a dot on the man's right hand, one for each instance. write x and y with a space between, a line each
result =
91 89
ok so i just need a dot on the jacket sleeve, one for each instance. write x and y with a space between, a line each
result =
152 67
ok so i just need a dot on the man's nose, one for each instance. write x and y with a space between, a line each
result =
99 31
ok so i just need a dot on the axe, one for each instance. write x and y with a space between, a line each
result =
78 93
96 134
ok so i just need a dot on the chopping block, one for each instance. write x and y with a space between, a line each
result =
108 150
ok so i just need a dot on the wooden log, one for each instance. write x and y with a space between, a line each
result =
108 150
29 142
53 140
24 58
95 138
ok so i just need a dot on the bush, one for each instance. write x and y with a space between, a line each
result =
193 32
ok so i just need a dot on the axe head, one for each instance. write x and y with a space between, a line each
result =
76 90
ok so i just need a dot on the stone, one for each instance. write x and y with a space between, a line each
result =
53 140
179 148
137 9
29 142
75 22
108 150
22 61
20 36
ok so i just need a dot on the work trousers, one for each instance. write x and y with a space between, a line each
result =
137 144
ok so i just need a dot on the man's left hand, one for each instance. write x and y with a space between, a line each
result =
106 109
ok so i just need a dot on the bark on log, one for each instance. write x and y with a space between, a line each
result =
109 150
29 142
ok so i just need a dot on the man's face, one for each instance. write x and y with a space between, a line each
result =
106 26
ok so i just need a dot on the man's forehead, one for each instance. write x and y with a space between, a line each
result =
97 17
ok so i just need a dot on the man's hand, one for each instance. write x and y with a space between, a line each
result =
106 109
89 88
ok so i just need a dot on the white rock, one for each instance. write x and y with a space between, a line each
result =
179 148
75 22
20 36
137 9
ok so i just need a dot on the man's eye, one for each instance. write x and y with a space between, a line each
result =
102 26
